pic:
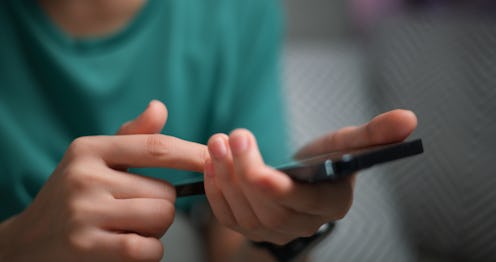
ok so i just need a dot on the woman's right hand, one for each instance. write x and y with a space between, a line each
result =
92 209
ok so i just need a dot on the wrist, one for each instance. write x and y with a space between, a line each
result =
298 249
226 245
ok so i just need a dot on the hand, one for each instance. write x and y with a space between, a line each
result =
92 209
265 204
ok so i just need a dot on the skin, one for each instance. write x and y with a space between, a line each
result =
91 208
264 204
91 18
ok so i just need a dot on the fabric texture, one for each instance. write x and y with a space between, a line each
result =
439 206
213 63
443 67
326 86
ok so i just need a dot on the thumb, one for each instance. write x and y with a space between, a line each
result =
151 121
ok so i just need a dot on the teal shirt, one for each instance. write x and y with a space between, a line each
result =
214 63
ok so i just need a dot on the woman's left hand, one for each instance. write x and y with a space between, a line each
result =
265 204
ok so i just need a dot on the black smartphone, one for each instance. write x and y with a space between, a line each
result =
332 166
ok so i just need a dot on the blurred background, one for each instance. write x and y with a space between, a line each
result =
346 61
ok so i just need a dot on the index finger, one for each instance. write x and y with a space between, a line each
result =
393 126
153 150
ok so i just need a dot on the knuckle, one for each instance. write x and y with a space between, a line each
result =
80 145
156 145
80 243
78 211
78 177
133 248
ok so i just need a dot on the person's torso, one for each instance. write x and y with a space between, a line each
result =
54 89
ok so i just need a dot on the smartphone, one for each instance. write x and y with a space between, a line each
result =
332 166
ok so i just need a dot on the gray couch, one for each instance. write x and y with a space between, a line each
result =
437 207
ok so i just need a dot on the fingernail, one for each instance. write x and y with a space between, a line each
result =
218 148
239 143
